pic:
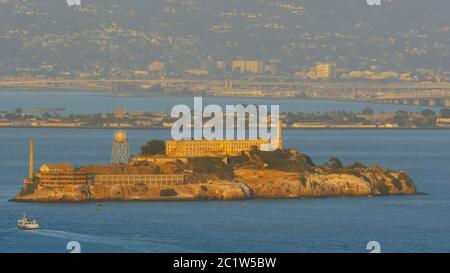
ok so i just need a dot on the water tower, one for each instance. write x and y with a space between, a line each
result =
120 148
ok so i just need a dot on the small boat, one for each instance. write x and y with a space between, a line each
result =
25 224
99 206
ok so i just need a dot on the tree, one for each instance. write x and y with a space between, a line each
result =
168 193
427 113
429 119
358 165
156 89
445 113
335 163
154 147
367 111
402 118
421 122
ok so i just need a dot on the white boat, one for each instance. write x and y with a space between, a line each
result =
25 224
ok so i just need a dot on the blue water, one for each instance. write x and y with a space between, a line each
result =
401 224
89 102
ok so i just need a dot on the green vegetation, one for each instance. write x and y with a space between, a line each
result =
304 181
212 165
335 163
335 117
30 188
402 118
206 164
427 113
280 160
383 189
154 147
397 184
409 182
358 165
445 113
424 119
367 112
168 193
283 160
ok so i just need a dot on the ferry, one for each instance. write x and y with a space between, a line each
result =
25 224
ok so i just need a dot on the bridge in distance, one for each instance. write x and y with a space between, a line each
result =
432 94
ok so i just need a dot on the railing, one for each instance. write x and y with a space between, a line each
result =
156 179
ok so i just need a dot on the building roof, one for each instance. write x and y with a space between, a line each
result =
58 167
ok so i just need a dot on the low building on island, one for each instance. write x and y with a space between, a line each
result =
60 175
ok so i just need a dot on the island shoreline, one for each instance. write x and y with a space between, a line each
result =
217 200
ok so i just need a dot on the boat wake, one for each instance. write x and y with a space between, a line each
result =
137 245
72 236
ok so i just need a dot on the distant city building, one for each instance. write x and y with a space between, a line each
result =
245 66
86 75
301 74
120 113
271 68
197 72
376 76
221 65
156 67
140 73
326 71
207 64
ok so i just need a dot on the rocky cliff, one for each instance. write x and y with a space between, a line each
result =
365 182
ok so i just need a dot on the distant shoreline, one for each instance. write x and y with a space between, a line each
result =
165 128
137 94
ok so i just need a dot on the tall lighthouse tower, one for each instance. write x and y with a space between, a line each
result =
31 171
30 178
280 135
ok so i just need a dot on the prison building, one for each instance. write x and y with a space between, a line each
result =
153 179
247 66
214 148
60 175
198 148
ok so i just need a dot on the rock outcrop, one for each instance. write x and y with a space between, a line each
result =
278 184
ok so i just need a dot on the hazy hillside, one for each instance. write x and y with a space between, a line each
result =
400 34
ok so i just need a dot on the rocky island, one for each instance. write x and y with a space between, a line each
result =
283 173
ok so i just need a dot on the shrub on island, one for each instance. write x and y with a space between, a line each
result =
168 193
154 147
